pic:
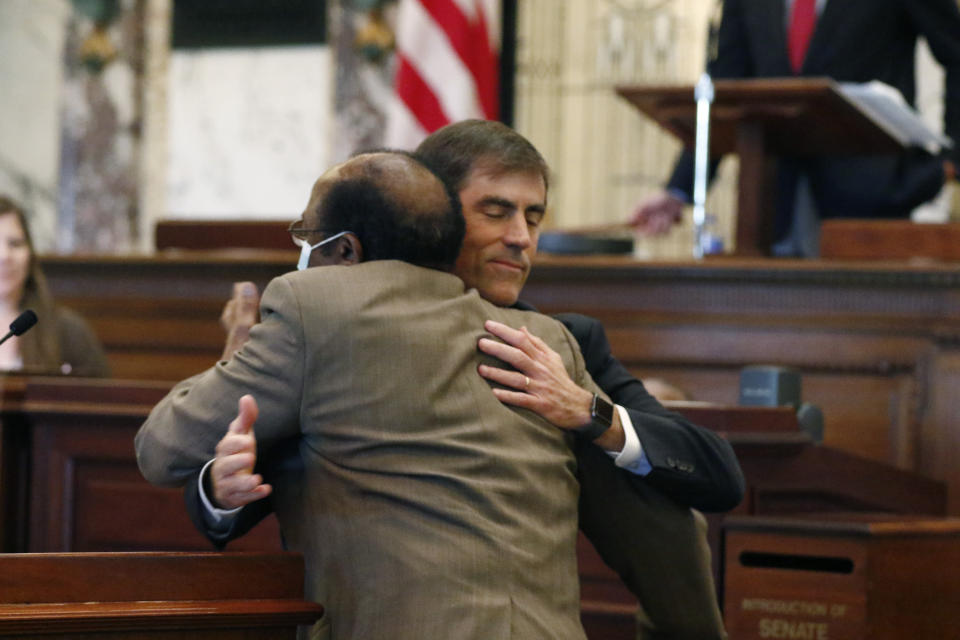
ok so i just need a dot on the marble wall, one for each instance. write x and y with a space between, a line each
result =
32 34
100 124
248 130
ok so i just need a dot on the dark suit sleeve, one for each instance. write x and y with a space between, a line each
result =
938 21
280 466
692 465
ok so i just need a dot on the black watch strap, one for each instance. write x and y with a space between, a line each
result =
601 419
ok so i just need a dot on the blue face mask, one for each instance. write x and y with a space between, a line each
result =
307 249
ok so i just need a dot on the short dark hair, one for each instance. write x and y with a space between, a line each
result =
453 151
426 231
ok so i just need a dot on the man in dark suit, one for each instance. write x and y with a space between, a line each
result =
851 41
639 518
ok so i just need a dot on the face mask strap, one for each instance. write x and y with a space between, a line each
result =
307 249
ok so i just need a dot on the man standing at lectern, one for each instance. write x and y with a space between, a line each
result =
852 41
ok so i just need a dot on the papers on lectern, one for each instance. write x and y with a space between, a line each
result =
885 106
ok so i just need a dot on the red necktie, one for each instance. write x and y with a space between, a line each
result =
802 21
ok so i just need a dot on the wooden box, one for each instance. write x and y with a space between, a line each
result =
859 577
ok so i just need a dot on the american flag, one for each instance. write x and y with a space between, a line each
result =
447 57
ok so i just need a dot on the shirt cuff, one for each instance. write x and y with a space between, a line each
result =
632 458
216 519
680 194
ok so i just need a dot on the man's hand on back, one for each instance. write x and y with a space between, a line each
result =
232 478
541 382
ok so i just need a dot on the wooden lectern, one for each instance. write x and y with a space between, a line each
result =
759 120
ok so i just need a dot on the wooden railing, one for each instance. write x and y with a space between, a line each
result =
142 595
877 343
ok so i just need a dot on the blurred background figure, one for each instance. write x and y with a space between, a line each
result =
855 42
61 342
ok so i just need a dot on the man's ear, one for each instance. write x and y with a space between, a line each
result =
349 250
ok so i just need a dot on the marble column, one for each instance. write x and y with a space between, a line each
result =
100 130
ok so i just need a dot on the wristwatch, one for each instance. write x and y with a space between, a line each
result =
601 419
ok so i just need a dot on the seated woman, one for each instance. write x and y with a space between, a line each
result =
61 343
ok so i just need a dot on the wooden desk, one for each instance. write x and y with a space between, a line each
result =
85 492
158 316
878 343
856 576
891 239
71 478
786 474
150 595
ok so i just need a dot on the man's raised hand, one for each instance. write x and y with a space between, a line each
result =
231 475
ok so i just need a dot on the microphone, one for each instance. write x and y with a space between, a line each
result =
810 417
20 325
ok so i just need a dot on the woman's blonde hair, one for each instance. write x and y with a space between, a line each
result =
39 347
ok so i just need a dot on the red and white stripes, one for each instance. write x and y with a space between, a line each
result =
447 52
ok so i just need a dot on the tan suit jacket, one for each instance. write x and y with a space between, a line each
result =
428 509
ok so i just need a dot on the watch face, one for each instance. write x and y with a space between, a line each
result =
602 410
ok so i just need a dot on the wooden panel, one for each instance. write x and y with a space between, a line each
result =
160 576
868 414
940 435
866 336
115 509
785 477
144 596
835 579
14 469
888 240
222 234
87 493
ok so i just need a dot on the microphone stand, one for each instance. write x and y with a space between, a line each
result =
703 239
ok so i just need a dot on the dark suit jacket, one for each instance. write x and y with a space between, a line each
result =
691 465
642 526
854 41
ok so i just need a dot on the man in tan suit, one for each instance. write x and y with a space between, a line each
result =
427 508
637 519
